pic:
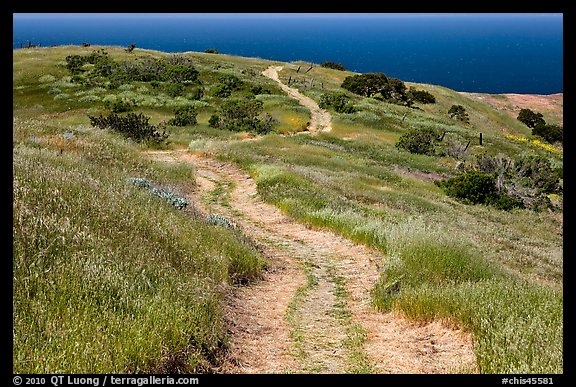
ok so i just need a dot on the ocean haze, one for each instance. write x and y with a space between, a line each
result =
487 53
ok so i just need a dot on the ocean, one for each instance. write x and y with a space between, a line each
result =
485 53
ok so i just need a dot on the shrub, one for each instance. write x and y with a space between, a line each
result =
221 90
174 89
550 133
134 126
243 115
419 141
214 121
339 101
421 96
120 106
211 51
471 188
530 119
479 188
458 112
184 116
333 65
232 81
256 90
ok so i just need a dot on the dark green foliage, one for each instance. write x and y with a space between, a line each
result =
134 126
181 73
471 188
506 203
220 90
184 116
531 119
120 107
338 101
379 86
458 112
74 63
550 133
333 65
259 90
214 121
130 47
176 69
228 83
243 115
421 96
231 81
420 141
174 89
211 51
366 84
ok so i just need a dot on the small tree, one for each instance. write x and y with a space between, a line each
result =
130 47
459 112
421 96
211 51
333 65
531 119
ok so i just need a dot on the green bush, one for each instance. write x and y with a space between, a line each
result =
421 96
550 133
134 126
256 90
184 116
214 121
419 141
243 115
338 101
471 188
174 89
120 106
333 65
221 90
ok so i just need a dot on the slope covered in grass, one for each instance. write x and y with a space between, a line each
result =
108 278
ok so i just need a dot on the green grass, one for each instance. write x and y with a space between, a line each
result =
356 336
108 278
119 284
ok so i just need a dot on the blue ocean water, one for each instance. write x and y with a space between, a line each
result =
489 53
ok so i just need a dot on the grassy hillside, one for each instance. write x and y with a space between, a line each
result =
95 257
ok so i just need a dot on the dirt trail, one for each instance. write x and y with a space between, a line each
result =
305 315
320 119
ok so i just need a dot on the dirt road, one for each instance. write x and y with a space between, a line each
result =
320 120
312 312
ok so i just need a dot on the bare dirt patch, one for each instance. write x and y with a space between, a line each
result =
551 106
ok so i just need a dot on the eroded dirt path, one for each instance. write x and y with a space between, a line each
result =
312 312
320 120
